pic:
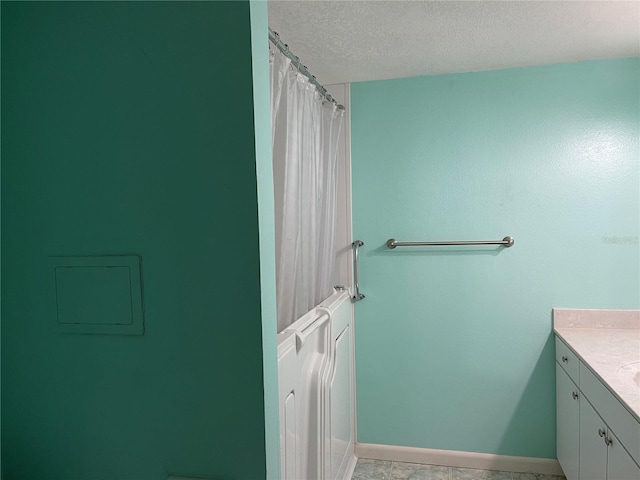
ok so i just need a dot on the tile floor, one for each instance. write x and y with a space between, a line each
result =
382 470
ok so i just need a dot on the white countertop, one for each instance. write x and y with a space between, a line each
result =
608 342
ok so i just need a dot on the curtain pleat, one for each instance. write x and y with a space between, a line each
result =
305 133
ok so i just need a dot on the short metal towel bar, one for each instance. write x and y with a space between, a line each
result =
506 241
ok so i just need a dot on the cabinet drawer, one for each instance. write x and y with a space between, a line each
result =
567 360
617 417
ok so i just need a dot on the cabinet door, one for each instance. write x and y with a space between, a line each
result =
593 450
620 464
568 423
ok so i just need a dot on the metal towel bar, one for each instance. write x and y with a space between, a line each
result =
506 241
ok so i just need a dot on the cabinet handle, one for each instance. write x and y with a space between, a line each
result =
574 395
565 359
601 433
607 440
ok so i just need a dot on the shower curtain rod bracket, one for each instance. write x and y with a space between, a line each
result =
274 37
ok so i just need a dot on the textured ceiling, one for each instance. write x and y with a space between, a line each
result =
348 41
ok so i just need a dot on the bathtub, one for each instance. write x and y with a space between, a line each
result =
316 383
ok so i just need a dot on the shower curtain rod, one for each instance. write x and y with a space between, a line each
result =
284 48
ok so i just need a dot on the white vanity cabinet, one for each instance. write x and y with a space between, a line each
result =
620 465
593 450
568 423
587 417
602 456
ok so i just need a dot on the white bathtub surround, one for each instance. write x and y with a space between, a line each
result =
317 393
608 342
451 458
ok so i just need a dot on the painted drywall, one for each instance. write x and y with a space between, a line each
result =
343 262
454 346
128 128
264 173
0 270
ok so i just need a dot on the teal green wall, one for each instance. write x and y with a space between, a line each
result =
454 345
128 128
262 109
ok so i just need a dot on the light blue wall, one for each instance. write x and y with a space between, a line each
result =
266 224
454 345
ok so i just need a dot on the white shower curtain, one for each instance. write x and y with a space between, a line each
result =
305 133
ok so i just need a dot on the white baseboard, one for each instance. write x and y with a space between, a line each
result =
452 458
